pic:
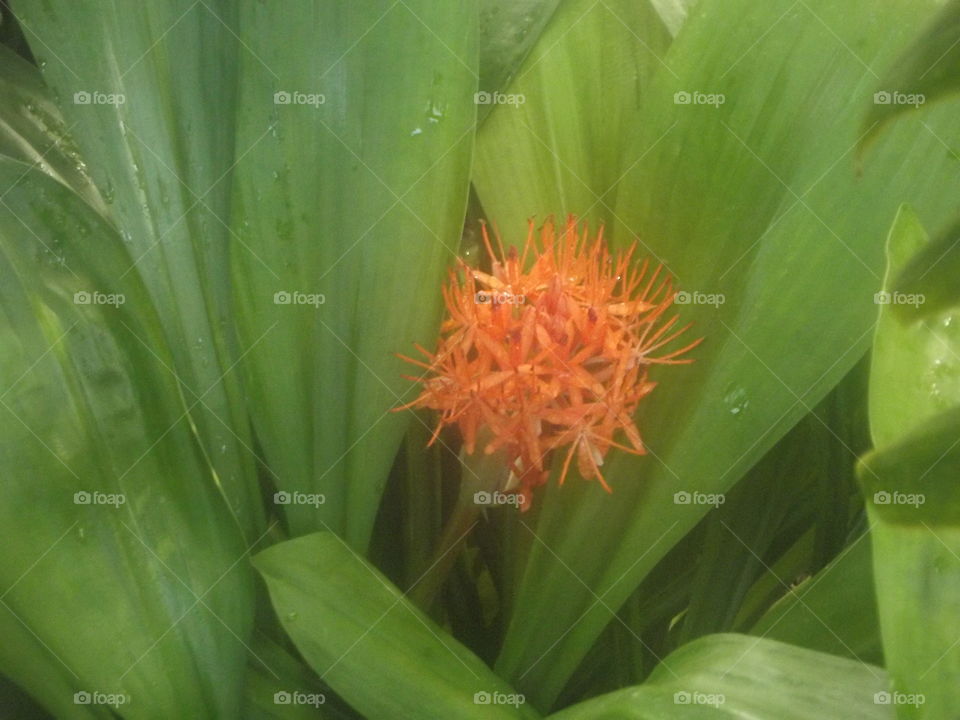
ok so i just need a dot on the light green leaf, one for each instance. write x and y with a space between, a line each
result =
365 639
755 199
122 572
673 12
928 70
736 676
932 272
349 201
149 95
912 495
916 360
911 488
552 146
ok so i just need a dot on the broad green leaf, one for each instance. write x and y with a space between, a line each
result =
123 572
149 94
673 12
911 487
32 130
736 676
916 359
377 650
913 500
931 273
806 480
280 687
356 123
507 30
553 143
833 612
927 70
755 200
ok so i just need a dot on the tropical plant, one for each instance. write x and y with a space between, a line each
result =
225 493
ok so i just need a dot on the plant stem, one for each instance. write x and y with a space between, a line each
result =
482 474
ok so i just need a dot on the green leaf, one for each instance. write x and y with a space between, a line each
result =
507 31
122 570
552 145
928 70
673 12
909 482
735 676
916 359
911 487
362 636
149 97
755 199
833 612
32 130
356 201
931 273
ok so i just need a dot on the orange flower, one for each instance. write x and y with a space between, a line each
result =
549 350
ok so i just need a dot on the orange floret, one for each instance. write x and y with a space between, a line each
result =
549 350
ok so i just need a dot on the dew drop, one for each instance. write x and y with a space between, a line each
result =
736 401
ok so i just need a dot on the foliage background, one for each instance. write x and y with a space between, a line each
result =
814 404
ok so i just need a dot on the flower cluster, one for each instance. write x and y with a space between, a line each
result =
550 349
